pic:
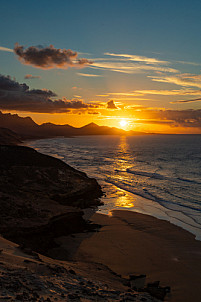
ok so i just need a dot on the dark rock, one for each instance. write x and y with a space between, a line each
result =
137 281
157 291
19 297
74 297
39 198
153 284
71 271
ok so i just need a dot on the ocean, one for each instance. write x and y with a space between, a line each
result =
158 175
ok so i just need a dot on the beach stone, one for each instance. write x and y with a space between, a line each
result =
74 297
19 297
157 291
137 282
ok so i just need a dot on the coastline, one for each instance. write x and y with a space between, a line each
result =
127 243
124 200
134 243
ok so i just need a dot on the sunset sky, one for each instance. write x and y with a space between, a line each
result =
103 61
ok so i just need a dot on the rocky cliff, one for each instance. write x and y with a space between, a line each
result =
41 197
9 137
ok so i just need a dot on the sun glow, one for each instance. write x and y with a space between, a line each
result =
123 123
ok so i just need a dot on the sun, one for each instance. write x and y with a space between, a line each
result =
123 123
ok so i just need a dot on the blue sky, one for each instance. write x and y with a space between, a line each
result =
165 31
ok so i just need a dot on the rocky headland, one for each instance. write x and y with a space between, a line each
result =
42 198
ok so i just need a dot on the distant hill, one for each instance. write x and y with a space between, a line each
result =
28 129
24 126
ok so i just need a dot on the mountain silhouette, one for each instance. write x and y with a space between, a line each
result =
28 129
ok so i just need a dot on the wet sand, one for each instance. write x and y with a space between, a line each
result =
134 243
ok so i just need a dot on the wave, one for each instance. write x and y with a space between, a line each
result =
148 195
159 176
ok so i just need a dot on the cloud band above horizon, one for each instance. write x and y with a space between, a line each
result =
15 96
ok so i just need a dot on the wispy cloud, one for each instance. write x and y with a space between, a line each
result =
185 80
137 95
131 67
5 49
124 93
189 63
89 75
170 92
130 64
30 77
186 101
124 96
137 58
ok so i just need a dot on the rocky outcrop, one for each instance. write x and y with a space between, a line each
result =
9 137
41 197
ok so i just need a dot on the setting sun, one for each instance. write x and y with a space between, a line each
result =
123 123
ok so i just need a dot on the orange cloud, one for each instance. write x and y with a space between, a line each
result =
89 75
30 76
111 105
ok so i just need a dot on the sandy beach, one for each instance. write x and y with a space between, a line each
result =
133 243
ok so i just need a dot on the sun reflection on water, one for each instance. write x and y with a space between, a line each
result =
124 201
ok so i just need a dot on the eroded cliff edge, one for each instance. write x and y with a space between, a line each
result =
41 197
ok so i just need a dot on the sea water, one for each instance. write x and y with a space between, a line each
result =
159 175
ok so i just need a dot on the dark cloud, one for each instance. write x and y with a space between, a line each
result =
6 83
15 96
111 105
49 57
186 101
45 93
176 118
153 122
30 77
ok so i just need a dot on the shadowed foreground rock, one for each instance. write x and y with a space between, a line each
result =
9 137
41 197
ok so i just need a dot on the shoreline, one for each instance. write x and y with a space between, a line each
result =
146 206
127 201
134 243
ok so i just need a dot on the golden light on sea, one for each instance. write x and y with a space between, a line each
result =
124 202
